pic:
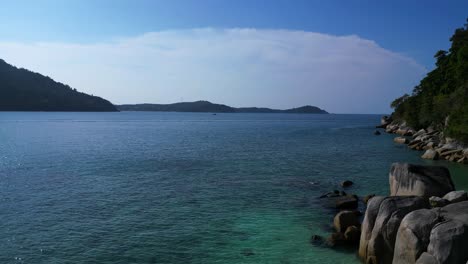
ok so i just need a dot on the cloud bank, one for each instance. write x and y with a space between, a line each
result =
239 67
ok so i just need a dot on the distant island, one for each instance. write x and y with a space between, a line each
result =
208 107
24 90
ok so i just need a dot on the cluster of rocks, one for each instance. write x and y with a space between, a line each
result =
433 142
346 222
347 225
424 220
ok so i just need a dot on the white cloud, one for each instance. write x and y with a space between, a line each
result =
239 67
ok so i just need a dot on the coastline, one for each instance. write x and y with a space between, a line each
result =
423 220
435 144
420 221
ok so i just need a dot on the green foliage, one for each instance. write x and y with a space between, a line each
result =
23 90
397 102
442 93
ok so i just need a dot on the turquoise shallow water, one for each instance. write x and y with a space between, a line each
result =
183 187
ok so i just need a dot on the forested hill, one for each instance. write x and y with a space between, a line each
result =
441 98
205 106
23 90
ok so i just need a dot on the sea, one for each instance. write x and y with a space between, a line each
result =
185 188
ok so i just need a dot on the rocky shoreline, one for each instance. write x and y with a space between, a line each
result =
424 220
433 142
409 226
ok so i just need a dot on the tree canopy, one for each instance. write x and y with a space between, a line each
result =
441 98
23 90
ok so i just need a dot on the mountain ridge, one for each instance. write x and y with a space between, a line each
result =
208 107
25 90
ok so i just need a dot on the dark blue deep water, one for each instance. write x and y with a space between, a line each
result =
183 187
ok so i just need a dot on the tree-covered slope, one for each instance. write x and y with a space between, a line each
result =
441 98
208 107
308 109
198 106
23 90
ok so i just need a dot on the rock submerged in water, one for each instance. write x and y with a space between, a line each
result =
345 219
316 240
409 179
346 224
348 238
352 234
346 183
336 239
377 133
335 193
248 252
341 200
346 202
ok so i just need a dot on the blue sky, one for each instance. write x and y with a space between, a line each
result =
414 30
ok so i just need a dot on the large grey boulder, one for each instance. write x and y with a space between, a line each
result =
419 133
391 128
456 196
426 258
450 148
413 235
401 140
449 238
410 179
438 236
368 223
381 223
401 131
430 145
430 154
449 242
